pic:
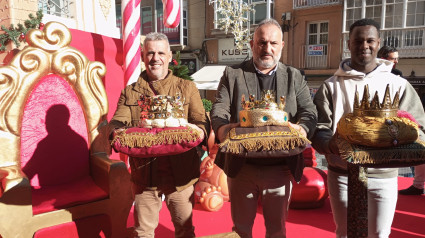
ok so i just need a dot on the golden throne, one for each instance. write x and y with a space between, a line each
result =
54 164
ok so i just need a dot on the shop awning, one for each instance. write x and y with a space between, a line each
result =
208 77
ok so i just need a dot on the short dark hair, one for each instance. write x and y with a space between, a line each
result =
385 51
365 22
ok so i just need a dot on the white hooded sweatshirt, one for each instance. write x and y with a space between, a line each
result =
335 98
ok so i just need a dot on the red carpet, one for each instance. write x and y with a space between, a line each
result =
409 220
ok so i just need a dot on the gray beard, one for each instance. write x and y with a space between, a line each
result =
267 65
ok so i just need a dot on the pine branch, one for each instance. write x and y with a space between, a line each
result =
17 34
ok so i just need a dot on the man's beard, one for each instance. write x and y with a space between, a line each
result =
267 64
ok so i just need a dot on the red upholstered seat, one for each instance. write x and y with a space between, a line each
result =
55 171
55 154
49 198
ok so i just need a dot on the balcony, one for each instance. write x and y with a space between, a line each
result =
303 4
315 56
410 42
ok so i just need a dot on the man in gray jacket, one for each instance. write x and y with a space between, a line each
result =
334 99
267 180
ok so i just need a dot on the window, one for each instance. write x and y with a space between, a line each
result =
185 31
374 10
316 50
394 14
402 23
262 9
119 18
353 12
151 20
389 13
415 13
60 8
318 33
146 20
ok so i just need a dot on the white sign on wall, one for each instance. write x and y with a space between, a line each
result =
315 50
228 52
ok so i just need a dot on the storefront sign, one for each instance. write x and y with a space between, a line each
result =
416 81
228 52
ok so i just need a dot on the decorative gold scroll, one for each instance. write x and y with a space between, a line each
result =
48 52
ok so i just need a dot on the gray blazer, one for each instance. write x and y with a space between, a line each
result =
242 79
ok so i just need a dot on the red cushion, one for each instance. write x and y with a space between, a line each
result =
264 142
311 191
144 142
50 198
95 226
54 148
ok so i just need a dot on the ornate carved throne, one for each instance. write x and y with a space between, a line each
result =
54 167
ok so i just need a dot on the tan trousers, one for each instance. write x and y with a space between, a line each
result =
148 204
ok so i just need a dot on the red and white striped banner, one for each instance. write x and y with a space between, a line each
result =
131 39
171 13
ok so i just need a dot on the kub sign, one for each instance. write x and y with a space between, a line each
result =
315 50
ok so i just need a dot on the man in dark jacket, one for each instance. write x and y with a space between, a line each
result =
249 179
172 176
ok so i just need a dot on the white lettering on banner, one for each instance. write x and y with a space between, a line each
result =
315 50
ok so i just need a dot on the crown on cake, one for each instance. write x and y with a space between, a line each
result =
375 108
264 112
161 106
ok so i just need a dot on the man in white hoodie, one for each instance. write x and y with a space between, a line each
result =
334 99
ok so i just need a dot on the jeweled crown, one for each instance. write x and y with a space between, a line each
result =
264 112
375 108
268 101
161 107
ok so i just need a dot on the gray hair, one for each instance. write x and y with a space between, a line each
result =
155 36
269 21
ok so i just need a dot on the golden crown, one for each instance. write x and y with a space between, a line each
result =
264 112
161 107
375 108
268 101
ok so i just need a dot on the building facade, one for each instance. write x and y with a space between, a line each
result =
316 34
315 31
96 16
